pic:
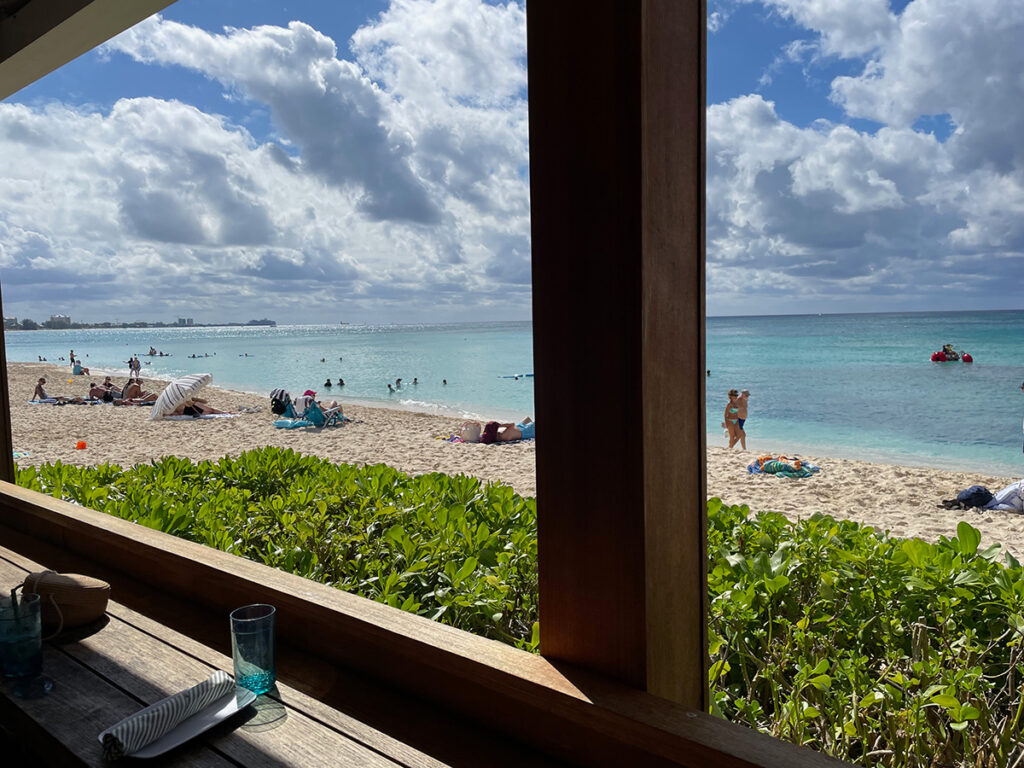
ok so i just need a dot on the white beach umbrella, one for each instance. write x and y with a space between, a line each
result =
177 392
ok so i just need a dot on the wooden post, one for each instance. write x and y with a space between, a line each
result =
6 439
617 192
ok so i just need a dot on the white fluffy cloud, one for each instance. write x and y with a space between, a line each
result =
393 185
847 27
838 218
393 181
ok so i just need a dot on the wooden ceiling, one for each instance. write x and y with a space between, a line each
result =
11 7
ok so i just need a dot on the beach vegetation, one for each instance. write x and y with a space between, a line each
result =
874 649
450 548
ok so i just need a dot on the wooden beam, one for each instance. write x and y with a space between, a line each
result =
6 439
616 182
675 486
47 34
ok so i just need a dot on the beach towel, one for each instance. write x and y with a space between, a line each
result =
182 417
292 423
782 466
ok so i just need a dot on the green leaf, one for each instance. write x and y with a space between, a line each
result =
969 537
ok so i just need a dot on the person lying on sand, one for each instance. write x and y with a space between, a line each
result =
523 430
194 407
495 432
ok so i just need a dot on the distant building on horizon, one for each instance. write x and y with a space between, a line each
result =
186 321
264 321
10 322
58 321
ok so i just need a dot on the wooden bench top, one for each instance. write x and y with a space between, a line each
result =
133 661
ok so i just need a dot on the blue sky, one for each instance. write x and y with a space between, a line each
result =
367 159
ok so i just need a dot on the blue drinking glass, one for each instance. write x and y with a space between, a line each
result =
21 646
252 646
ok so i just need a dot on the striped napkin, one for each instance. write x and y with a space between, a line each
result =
146 726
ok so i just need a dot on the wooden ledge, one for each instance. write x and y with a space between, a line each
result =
568 713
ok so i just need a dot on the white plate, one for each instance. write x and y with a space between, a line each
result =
221 709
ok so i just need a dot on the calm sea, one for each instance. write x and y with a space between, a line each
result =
474 358
862 386
858 386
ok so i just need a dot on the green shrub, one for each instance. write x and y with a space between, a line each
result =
883 651
449 548
879 650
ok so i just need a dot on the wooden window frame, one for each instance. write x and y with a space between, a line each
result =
617 110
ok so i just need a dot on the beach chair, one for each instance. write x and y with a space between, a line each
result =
320 417
296 413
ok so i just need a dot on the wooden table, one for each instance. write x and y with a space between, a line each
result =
132 662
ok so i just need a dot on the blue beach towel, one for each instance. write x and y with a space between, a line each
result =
292 423
781 468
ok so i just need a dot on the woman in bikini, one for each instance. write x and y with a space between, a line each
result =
731 421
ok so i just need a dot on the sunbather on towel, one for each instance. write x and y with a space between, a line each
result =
523 430
39 393
194 407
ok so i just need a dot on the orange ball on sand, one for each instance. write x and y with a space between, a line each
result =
80 445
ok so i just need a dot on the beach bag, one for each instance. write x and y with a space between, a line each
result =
975 496
67 600
279 400
470 432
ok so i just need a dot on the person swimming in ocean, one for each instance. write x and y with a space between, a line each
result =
328 383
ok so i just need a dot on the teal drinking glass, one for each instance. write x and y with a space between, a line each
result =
21 646
252 646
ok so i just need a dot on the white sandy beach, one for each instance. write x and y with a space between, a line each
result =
903 500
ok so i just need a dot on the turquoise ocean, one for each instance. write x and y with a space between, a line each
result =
854 386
